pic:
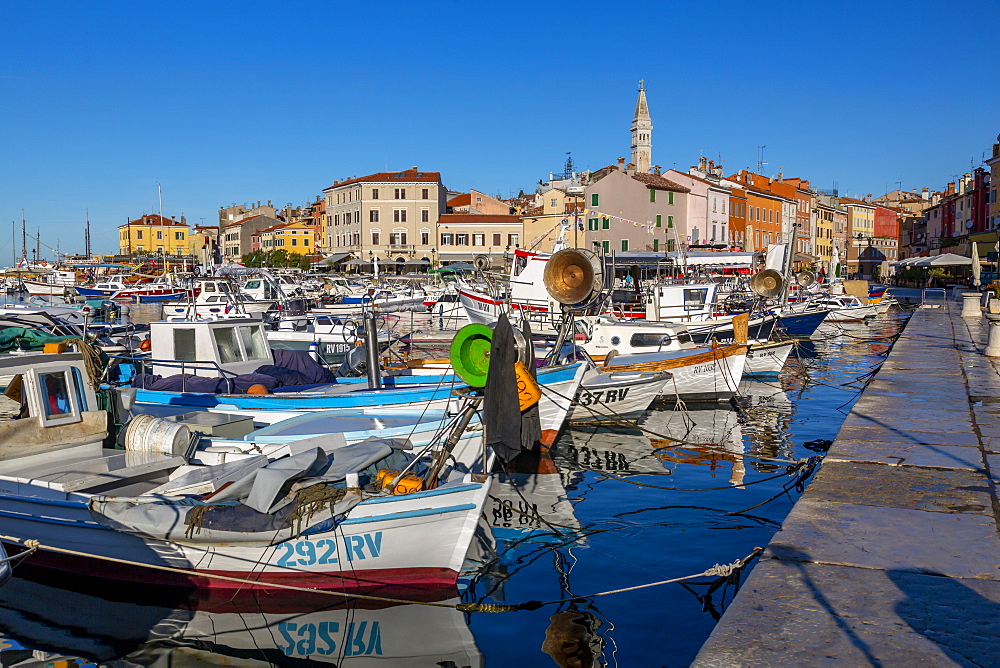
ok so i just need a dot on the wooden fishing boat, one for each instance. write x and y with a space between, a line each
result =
59 486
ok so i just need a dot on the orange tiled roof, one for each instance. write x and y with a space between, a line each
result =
156 219
461 200
403 177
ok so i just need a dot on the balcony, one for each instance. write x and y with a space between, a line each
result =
399 248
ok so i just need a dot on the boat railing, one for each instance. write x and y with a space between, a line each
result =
184 365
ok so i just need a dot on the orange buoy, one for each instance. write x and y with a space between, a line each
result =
146 345
257 388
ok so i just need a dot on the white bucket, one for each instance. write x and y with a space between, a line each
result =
146 433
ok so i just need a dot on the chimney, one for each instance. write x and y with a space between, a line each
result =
656 169
925 194
701 164
414 168
621 164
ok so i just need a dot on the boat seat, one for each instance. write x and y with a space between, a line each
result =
111 467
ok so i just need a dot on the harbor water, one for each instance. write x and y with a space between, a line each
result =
684 488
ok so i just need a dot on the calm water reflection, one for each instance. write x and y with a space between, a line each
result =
628 506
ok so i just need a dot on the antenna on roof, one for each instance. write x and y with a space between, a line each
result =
760 159
568 169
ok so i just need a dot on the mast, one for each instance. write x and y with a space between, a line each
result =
24 241
86 238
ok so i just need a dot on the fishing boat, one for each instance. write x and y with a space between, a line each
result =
845 308
56 282
307 516
697 373
115 287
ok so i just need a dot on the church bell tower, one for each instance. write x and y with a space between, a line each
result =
642 134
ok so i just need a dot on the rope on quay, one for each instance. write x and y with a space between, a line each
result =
727 571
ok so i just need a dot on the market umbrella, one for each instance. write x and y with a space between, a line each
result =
976 268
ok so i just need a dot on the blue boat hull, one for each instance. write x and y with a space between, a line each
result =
802 324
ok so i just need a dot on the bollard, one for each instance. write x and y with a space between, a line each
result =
970 305
993 342
993 305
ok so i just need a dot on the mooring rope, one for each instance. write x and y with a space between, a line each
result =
718 570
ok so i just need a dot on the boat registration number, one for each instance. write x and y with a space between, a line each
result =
305 552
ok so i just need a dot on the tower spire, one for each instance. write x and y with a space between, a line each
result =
642 133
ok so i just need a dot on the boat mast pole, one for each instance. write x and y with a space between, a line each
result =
24 241
86 238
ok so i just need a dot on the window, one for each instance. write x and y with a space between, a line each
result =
159 234
656 244
374 193
373 216
425 193
425 215
446 238
478 239
694 299
605 224
461 239
624 244
650 339
254 342
594 199
397 238
55 394
514 240
399 215
670 198
375 239
295 241
178 236
670 245
496 239
592 224
225 343
184 350
399 193
357 216
652 195
606 245
659 220
138 234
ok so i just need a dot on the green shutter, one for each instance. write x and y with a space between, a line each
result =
606 245
605 224
670 222
670 244
592 224
670 198
652 195
659 220
656 244
594 199
624 244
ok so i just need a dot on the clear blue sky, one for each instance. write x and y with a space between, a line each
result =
237 102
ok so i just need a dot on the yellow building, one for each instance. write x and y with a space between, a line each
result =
292 237
154 234
994 165
860 237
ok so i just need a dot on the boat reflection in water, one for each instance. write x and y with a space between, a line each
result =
258 628
665 438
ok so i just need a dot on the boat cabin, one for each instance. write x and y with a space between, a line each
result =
202 347
48 404
681 301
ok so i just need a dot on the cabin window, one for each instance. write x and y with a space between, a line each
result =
650 339
55 394
694 299
225 343
81 397
253 285
184 349
254 343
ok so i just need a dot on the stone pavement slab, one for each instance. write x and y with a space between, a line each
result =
844 616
